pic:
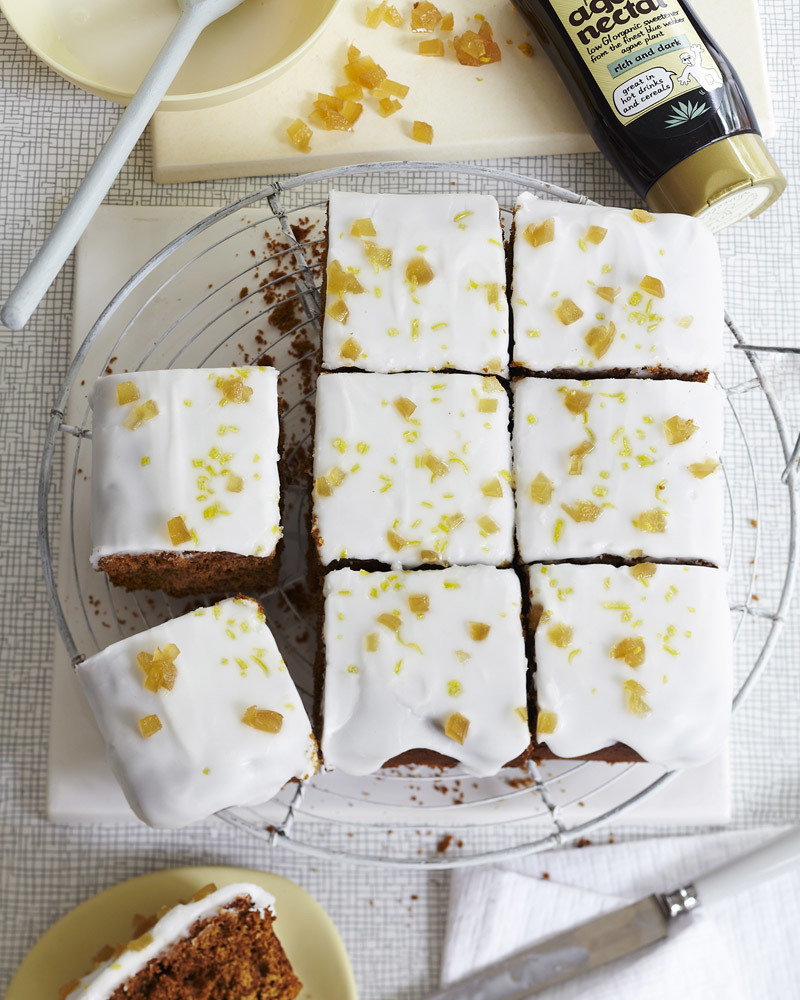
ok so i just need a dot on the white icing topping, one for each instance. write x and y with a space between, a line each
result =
389 689
459 319
437 479
174 926
206 459
681 614
681 331
632 469
204 758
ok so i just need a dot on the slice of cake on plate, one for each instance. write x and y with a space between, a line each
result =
199 714
185 488
219 944
631 663
612 291
415 283
412 469
423 667
618 467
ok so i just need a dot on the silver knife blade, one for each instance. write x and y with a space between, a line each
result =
572 953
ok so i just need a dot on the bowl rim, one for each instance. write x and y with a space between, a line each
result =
170 102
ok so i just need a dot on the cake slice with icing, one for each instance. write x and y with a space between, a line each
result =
631 662
185 488
609 290
221 943
412 469
415 283
618 467
423 667
199 714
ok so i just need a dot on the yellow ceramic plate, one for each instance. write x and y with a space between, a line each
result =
107 46
307 934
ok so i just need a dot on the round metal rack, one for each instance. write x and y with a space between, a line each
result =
243 285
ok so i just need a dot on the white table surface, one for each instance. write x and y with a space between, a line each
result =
392 922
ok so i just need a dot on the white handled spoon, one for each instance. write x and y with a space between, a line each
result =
29 292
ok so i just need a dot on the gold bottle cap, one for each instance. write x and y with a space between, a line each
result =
721 183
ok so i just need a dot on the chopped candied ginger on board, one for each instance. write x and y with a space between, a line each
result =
422 132
300 135
431 47
365 71
388 106
425 16
477 48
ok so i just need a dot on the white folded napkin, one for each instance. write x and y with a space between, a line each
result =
498 910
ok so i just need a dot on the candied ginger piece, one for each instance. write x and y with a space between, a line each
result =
456 727
546 723
300 135
322 487
576 400
685 322
391 88
431 47
396 542
418 272
351 111
567 312
375 15
487 406
522 712
643 571
234 483
363 227
435 465
577 456
595 235
139 414
350 349
541 490
234 390
487 525
379 257
263 719
340 282
140 943
405 406
582 510
178 532
336 476
422 132
653 286
526 49
632 651
388 106
478 631
364 70
634 698
677 430
600 338
607 293
425 16
640 215
539 233
329 119
205 891
477 49
372 641
352 53
338 311
392 16
702 469
392 622
149 725
127 393
447 23
560 635
653 521
419 603
352 92
492 488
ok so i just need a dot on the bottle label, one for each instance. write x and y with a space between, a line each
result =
642 54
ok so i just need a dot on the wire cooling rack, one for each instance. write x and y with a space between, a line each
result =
243 286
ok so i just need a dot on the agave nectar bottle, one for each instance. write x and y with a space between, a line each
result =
663 104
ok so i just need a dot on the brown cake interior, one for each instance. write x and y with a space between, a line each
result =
182 574
234 955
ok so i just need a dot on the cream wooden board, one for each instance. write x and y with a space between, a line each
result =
517 107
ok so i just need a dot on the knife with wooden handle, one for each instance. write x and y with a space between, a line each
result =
625 931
